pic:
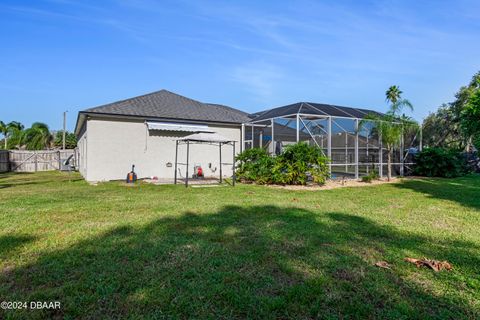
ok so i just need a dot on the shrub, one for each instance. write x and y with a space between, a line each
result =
255 165
297 164
373 175
439 162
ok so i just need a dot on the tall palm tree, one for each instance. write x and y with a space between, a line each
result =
38 136
393 94
391 126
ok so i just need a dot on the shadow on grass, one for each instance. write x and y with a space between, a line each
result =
10 242
465 190
17 179
248 262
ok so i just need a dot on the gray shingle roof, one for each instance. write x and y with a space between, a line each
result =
169 105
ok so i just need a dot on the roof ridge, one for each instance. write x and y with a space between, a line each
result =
142 96
184 97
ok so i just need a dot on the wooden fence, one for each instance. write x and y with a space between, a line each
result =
4 161
32 161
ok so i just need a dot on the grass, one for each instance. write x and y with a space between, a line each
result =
113 251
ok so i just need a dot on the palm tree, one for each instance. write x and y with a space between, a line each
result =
9 130
393 94
38 136
391 126
4 131
16 125
15 134
70 139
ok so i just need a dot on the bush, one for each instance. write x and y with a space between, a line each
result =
256 165
439 162
297 164
373 175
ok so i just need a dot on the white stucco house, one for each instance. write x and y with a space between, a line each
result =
143 131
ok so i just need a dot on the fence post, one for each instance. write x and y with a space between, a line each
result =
36 160
59 162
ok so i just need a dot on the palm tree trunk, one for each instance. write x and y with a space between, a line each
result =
389 164
5 142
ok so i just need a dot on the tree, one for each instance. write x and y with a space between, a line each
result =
470 119
470 113
38 137
9 130
15 125
70 139
4 132
391 126
442 129
456 124
393 94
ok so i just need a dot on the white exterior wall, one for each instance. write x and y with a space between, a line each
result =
82 151
113 146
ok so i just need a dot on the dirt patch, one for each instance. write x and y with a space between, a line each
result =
333 184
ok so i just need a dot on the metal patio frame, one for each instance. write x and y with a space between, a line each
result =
188 142
299 119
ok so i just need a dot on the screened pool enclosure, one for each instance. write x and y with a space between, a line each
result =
353 145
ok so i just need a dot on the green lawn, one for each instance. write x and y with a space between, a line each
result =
112 251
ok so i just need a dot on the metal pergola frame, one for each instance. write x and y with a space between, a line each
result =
189 142
330 120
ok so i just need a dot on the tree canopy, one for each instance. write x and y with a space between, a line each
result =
456 124
70 139
37 137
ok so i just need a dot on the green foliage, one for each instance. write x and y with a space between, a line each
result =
373 175
4 131
256 165
11 130
439 162
456 124
442 129
297 164
393 94
70 140
470 118
37 137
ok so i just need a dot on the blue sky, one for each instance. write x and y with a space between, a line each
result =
70 55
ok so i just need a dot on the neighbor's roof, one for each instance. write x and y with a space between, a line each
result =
312 108
168 105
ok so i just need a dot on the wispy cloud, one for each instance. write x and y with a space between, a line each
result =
87 15
259 78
